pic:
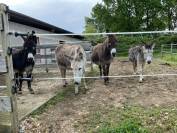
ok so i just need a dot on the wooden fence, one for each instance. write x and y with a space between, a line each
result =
8 105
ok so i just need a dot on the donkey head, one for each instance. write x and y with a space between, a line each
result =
111 44
148 52
29 46
78 65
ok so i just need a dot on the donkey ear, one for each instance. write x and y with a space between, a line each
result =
72 64
81 55
143 47
78 49
153 45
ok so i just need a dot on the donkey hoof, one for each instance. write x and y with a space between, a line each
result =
106 83
31 91
140 81
135 73
76 93
64 85
86 88
19 92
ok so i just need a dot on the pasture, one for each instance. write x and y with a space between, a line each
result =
122 105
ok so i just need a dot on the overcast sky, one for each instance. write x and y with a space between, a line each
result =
66 14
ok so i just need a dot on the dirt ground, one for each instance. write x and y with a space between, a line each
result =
154 91
66 115
44 90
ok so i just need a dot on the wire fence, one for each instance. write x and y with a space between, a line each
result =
104 33
110 33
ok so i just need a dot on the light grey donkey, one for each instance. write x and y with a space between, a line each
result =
139 56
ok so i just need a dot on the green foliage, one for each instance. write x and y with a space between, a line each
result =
126 126
126 42
131 119
170 58
134 15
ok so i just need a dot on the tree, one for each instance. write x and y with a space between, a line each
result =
134 15
170 13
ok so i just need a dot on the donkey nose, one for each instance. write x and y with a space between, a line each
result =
113 54
149 62
30 56
76 83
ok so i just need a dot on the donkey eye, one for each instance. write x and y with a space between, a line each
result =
80 69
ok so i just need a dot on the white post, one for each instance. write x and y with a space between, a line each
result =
171 51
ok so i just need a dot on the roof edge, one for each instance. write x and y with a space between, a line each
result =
33 22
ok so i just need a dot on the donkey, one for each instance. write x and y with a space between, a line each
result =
102 55
23 61
139 56
71 57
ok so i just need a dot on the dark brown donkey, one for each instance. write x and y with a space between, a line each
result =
103 54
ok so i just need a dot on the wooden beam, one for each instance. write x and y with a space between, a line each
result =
5 104
5 42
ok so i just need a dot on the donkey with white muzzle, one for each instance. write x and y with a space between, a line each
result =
72 57
103 54
139 56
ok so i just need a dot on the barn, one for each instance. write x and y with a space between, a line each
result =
22 23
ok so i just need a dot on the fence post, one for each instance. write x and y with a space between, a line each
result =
162 51
46 66
171 50
8 104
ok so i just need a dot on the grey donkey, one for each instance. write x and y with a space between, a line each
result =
139 56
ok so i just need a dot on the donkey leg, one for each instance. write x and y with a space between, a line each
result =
141 73
104 73
63 75
65 81
107 72
20 83
16 82
101 73
134 67
29 75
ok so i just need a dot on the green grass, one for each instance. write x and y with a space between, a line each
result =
131 119
170 58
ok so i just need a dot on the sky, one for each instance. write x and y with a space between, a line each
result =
66 14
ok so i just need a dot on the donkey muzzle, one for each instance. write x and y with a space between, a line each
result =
76 83
30 56
113 52
148 62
